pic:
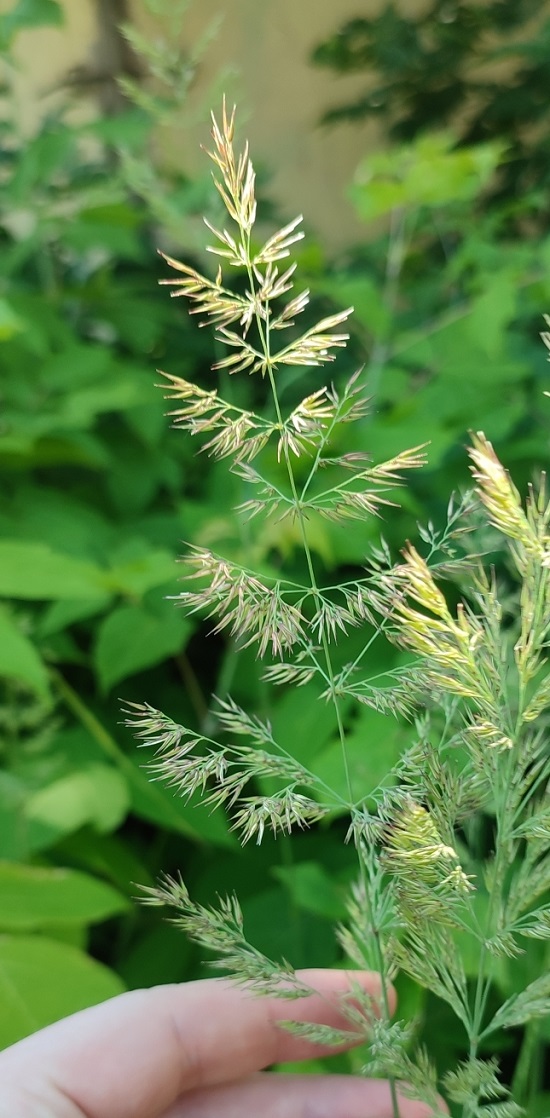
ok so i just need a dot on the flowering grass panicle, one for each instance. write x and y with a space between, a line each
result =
474 682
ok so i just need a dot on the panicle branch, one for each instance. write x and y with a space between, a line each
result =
221 930
191 763
240 434
245 605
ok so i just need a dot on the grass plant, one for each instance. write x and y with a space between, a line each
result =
452 848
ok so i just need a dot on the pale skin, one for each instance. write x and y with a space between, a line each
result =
190 1051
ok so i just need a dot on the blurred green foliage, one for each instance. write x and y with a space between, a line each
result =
98 495
479 68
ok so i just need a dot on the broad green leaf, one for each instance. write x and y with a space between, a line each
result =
131 639
136 569
312 889
34 897
65 612
491 313
97 794
539 1105
110 857
19 659
427 172
10 322
364 295
149 799
30 13
302 724
33 570
372 748
160 805
13 831
463 348
157 955
283 931
42 980
46 515
79 410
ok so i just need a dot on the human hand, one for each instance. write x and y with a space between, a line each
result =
190 1051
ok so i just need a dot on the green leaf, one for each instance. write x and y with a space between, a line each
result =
18 657
66 612
30 13
158 955
35 897
97 794
364 295
160 805
301 724
312 889
33 570
131 639
150 800
539 1105
13 836
425 173
10 322
282 932
372 748
80 409
137 569
42 980
491 313
110 857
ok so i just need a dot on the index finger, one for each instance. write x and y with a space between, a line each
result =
134 1056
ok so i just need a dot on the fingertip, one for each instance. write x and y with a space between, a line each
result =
414 1108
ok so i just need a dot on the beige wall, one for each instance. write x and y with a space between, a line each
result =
262 47
260 56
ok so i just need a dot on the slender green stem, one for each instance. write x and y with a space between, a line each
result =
394 264
263 330
88 719
528 1069
314 587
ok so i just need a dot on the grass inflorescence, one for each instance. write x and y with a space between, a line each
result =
474 681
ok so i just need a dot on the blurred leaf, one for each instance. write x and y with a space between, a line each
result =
131 639
491 313
97 794
126 128
294 934
137 568
539 1105
363 294
160 954
109 856
312 889
302 724
34 897
80 408
426 173
33 570
372 747
13 831
30 13
10 321
63 613
162 806
42 980
19 659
